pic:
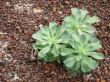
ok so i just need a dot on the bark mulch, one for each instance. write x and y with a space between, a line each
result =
19 19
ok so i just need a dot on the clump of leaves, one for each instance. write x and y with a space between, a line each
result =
80 21
48 42
81 55
74 42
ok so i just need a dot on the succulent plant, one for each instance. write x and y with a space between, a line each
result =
74 42
48 42
82 53
79 21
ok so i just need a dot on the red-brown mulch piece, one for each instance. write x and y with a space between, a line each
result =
21 18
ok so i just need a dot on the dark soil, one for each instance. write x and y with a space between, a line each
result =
19 19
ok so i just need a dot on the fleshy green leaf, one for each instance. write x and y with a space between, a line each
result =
44 30
69 19
37 35
96 55
74 11
49 57
65 38
88 37
44 51
91 63
84 66
70 62
52 24
78 57
66 51
34 46
83 14
89 30
55 52
76 37
74 44
76 66
93 20
95 45
82 39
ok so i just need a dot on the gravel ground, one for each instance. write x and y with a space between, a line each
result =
19 19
